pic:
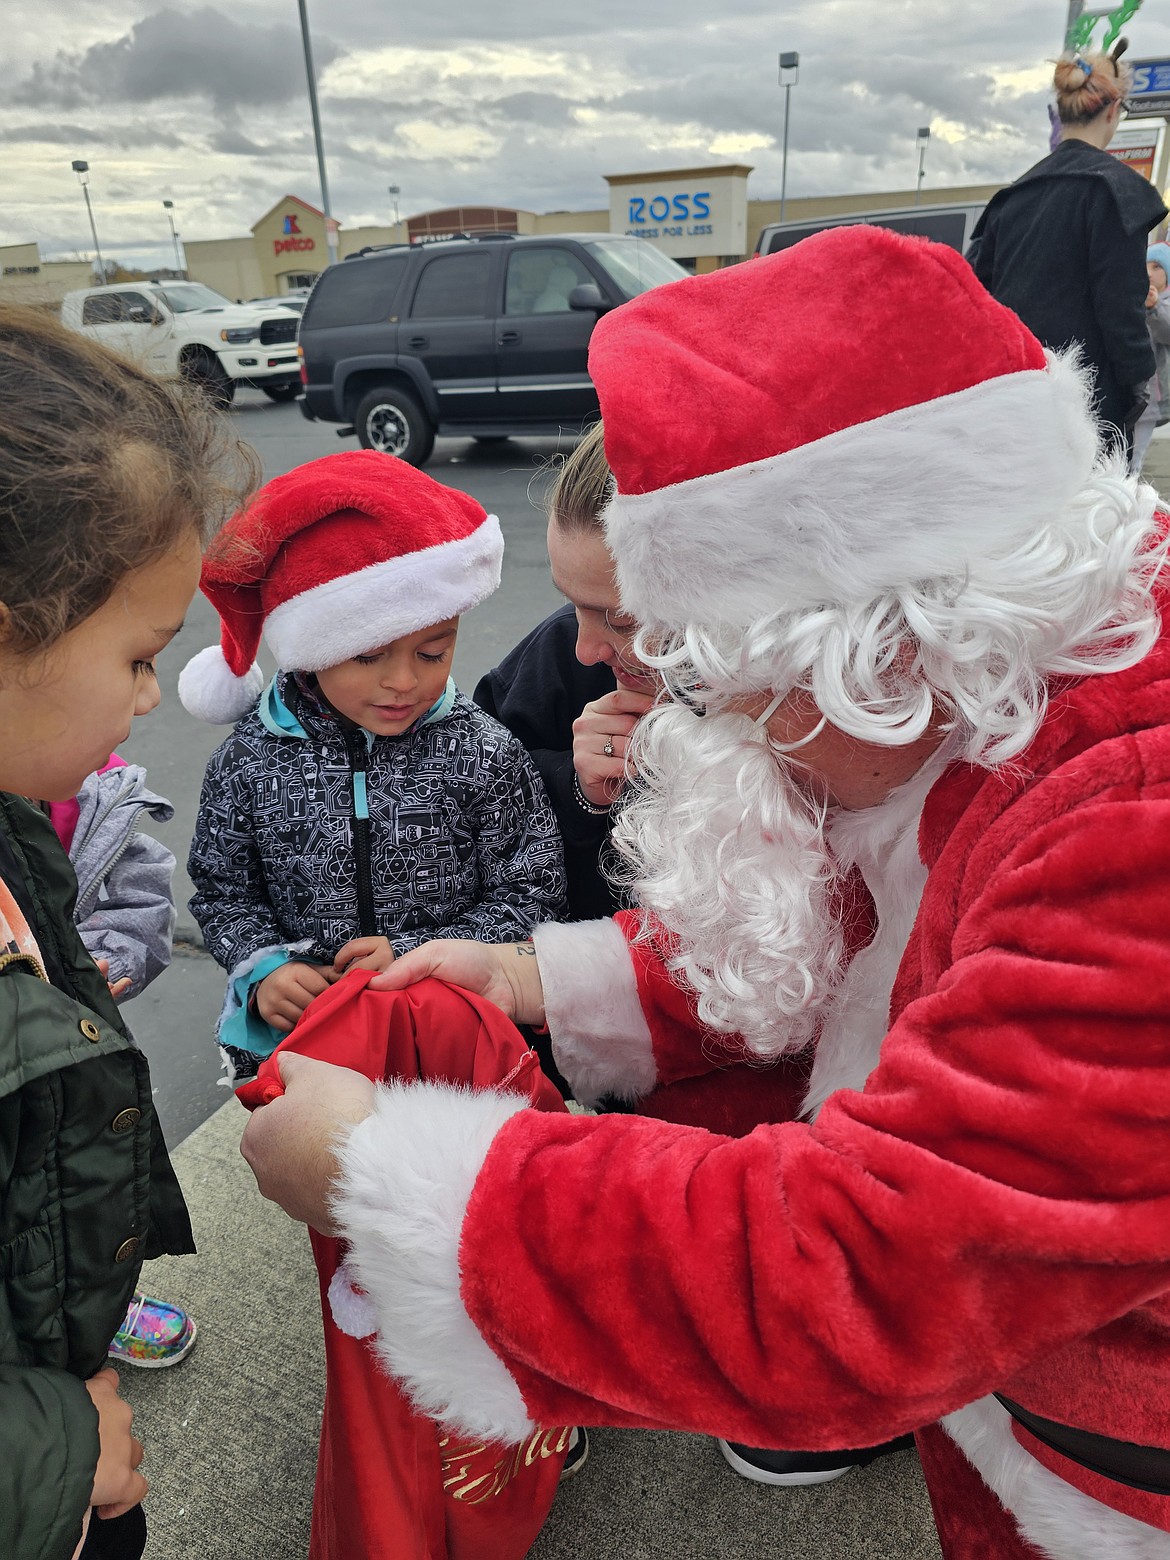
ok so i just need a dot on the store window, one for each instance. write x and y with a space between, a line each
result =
293 280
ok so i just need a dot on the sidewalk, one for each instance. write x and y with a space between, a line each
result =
231 1433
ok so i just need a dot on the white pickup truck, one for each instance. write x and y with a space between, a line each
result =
185 330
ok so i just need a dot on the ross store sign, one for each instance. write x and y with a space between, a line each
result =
684 217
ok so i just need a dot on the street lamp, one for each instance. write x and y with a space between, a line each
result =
169 208
330 225
789 75
81 169
394 192
922 138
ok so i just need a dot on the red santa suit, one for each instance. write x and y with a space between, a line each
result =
982 1204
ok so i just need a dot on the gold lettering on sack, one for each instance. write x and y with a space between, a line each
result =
463 1480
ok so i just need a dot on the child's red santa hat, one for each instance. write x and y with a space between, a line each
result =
844 418
336 558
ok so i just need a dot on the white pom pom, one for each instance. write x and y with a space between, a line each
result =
211 691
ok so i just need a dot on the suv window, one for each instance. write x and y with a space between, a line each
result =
103 309
454 287
361 293
135 307
540 280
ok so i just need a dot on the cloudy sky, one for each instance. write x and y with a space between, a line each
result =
520 102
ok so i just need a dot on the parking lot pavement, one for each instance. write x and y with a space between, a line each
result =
231 1433
1156 466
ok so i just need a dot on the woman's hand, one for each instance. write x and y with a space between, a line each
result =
607 722
291 1143
506 974
117 1485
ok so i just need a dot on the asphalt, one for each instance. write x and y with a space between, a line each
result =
231 1432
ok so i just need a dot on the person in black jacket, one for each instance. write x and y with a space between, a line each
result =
1065 245
572 690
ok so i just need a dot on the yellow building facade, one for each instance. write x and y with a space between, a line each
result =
702 216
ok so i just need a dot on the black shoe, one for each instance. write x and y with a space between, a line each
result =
578 1453
792 1468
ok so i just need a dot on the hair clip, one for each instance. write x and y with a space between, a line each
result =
1084 64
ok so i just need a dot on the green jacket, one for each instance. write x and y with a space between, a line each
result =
86 1192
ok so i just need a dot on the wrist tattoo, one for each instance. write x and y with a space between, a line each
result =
526 949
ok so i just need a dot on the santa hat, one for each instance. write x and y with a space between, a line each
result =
336 558
824 425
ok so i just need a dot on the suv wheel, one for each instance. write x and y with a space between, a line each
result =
204 369
391 421
281 392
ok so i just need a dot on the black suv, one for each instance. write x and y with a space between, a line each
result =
480 337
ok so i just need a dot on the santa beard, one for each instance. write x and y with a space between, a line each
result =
725 849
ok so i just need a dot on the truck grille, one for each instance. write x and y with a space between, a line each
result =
273 331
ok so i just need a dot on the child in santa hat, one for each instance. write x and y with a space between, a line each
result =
362 805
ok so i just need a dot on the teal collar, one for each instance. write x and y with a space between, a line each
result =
280 720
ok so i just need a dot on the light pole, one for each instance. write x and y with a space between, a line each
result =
789 75
394 192
922 139
81 169
330 225
169 208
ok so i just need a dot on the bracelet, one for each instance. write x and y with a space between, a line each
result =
585 804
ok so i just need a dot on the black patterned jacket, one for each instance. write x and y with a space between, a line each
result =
460 839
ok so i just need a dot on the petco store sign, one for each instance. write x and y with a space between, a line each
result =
687 213
294 239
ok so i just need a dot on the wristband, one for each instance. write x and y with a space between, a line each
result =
585 804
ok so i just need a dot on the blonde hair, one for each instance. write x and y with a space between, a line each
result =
1086 84
583 485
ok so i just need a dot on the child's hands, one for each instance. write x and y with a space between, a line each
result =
117 1485
284 995
364 953
116 987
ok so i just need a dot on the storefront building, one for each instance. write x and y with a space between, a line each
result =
700 216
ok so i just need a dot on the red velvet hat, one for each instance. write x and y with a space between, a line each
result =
824 425
336 558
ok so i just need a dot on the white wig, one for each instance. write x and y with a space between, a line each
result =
978 649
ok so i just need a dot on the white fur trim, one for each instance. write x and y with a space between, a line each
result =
211 691
1061 1521
351 1308
407 1173
599 1034
361 611
908 496
883 843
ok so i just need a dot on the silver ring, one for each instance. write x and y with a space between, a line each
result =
608 748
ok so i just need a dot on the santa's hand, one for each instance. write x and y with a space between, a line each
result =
505 973
291 1143
601 739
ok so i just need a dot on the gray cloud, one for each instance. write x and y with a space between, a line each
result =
179 54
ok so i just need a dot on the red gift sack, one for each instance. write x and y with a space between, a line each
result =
392 1484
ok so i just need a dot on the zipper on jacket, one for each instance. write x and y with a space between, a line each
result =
358 755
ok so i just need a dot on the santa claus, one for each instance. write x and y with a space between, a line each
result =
908 616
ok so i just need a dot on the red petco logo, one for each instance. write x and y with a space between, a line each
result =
281 246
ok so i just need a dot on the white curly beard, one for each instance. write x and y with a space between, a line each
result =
727 853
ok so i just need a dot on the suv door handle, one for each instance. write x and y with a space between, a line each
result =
506 337
419 341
